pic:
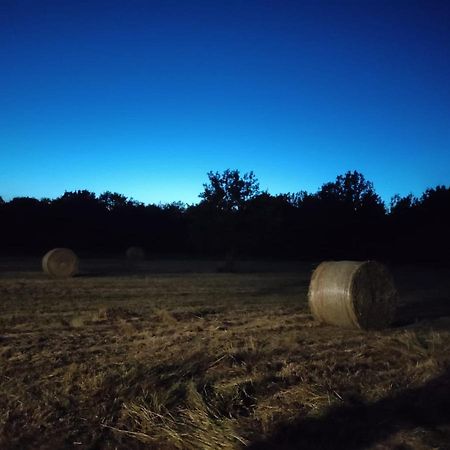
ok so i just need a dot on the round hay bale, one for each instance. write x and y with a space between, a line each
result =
135 254
60 262
352 294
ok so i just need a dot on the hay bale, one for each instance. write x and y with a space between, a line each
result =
135 254
352 294
60 262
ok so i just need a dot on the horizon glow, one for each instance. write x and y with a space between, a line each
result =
144 98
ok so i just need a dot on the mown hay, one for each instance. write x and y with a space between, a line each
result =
352 294
135 254
60 262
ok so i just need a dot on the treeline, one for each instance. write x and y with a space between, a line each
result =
346 218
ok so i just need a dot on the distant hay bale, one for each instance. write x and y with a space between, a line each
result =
135 254
352 294
60 262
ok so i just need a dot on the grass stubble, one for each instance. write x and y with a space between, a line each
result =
192 361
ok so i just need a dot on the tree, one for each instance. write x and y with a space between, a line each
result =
113 200
436 201
217 221
25 203
400 205
229 191
269 225
77 199
353 191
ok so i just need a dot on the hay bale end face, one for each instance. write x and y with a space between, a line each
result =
352 294
135 254
60 262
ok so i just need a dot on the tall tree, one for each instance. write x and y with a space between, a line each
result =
353 191
113 201
220 213
401 205
229 190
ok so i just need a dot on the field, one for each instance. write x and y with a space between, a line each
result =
173 355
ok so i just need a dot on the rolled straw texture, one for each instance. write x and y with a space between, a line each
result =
352 294
60 262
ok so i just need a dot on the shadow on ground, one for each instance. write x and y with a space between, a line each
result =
435 311
359 425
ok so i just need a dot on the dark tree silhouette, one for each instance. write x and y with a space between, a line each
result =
80 198
417 226
229 191
113 200
436 202
217 220
433 217
347 217
269 226
353 191
344 219
400 205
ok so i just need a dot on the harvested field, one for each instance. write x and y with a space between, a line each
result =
173 357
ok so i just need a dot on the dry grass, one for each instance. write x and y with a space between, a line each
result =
196 361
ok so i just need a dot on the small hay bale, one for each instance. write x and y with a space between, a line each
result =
352 294
135 254
60 262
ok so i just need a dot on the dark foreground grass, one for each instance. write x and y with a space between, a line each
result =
216 361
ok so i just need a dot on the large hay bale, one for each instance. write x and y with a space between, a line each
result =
60 262
135 254
352 294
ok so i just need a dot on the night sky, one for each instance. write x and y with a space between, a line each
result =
145 97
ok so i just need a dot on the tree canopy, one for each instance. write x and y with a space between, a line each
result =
344 219
229 190
352 190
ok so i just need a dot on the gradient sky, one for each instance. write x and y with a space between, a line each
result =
145 97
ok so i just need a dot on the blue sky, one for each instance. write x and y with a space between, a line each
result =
145 97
